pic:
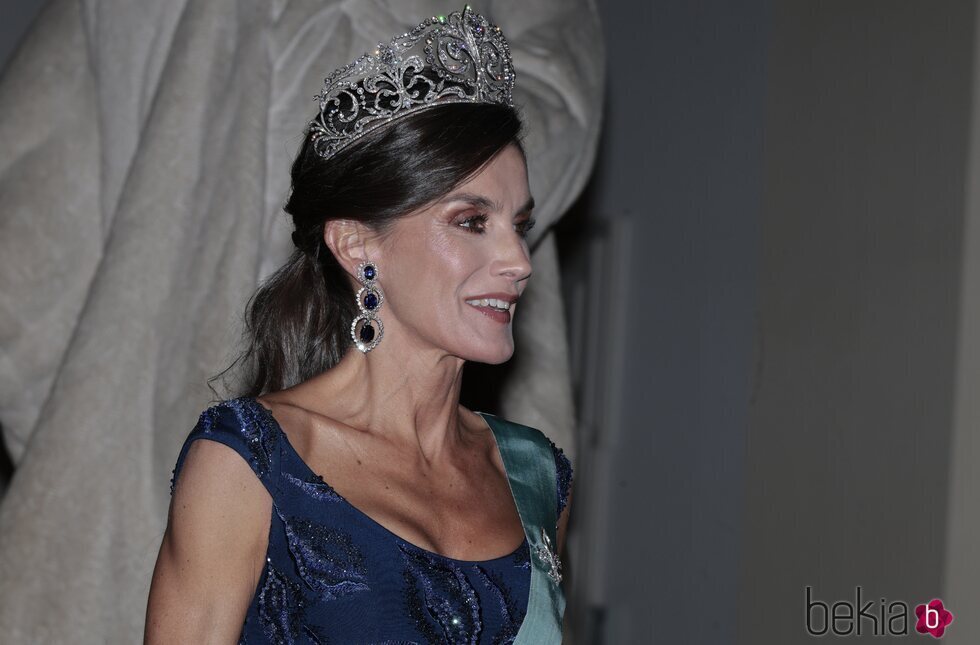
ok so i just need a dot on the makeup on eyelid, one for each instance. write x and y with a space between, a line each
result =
527 224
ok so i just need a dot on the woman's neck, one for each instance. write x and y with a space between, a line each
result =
409 397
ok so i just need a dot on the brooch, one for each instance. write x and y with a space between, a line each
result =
547 555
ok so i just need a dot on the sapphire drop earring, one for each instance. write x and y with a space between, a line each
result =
369 299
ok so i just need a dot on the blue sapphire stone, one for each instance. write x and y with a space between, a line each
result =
371 300
367 333
369 272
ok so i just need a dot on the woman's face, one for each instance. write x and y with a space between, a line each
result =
439 265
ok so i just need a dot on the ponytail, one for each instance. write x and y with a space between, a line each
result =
295 323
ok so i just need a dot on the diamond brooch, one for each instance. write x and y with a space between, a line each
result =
546 554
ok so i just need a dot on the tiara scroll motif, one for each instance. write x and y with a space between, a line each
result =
459 58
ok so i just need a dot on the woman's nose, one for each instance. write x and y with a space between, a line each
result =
513 258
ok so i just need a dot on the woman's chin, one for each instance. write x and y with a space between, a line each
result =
491 355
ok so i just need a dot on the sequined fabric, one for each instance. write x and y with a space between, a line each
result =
333 575
564 468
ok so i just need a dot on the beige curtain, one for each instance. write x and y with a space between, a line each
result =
144 154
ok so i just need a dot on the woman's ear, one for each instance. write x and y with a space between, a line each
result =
347 240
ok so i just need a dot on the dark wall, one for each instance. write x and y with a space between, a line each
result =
868 119
678 193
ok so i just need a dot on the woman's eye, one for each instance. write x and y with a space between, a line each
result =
476 223
525 226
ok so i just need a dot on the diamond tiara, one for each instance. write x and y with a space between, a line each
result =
459 58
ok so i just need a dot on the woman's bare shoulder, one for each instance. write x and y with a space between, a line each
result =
473 421
212 551
220 510
305 425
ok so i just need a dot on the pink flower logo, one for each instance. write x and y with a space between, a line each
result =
932 618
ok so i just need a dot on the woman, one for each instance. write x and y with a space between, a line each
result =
359 502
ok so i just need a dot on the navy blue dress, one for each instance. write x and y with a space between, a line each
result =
334 575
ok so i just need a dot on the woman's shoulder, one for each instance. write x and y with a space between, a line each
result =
563 466
218 522
526 432
243 425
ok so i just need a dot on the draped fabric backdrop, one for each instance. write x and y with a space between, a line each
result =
144 155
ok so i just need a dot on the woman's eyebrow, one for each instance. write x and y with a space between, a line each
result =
481 201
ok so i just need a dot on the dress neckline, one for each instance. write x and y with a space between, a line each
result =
267 414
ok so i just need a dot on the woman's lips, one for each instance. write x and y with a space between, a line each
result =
492 314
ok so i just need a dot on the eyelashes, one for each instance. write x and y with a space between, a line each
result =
478 223
475 223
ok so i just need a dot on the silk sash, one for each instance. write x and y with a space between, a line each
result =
530 465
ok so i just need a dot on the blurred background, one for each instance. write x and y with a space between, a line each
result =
775 319
772 285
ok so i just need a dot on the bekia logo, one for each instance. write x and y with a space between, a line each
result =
843 618
933 618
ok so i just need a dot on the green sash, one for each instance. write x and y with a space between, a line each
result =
530 466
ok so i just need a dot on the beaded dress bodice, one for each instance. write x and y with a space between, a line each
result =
334 575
